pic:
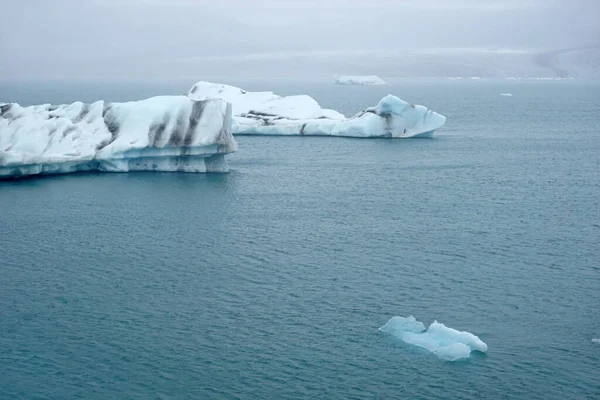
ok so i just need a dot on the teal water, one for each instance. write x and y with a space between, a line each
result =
271 282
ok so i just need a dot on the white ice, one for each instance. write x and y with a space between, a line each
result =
506 94
265 113
358 80
597 341
165 133
446 343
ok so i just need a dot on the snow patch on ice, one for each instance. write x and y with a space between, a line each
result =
446 343
267 105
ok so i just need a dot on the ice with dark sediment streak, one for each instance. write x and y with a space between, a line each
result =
164 133
446 343
265 113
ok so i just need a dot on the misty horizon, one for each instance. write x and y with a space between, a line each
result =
184 39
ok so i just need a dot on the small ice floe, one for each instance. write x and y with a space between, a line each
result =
446 343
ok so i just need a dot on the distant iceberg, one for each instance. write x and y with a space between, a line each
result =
359 80
506 94
265 113
597 341
446 343
165 133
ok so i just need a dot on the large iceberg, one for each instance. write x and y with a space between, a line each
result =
265 113
359 80
446 343
164 133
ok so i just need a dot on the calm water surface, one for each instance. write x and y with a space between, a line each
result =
270 282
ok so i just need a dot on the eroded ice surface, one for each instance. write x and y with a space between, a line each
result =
446 343
265 113
359 80
165 133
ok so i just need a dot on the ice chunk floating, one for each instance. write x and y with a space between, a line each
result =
446 343
359 80
265 113
506 94
165 133
597 341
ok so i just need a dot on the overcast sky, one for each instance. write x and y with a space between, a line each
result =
120 39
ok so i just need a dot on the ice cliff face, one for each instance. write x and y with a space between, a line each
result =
165 133
265 113
182 133
359 80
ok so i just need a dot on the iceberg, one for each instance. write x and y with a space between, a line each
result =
164 133
359 80
597 341
446 343
506 94
265 113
